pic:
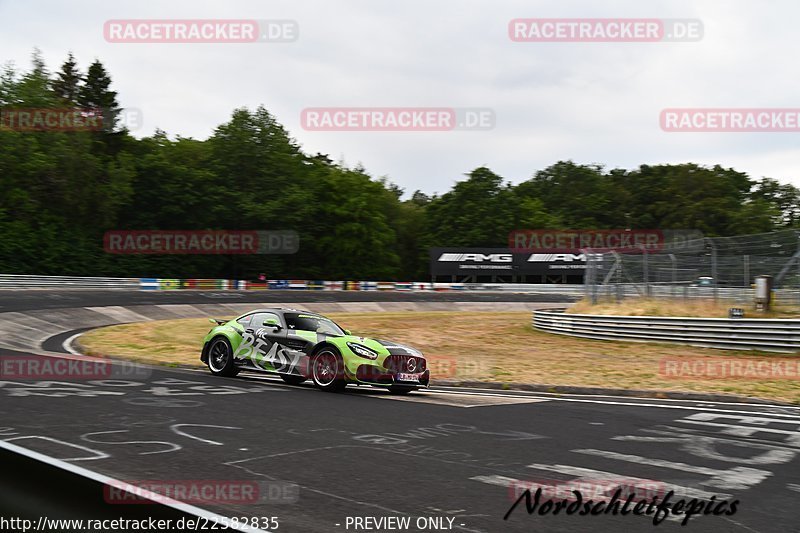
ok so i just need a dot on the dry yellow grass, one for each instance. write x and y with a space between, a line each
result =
677 307
474 346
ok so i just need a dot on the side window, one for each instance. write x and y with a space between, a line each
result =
244 321
259 318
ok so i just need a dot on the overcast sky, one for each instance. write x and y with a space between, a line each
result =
589 102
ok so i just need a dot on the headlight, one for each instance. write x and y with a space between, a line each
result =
362 351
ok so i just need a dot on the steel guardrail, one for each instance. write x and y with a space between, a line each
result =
773 335
22 281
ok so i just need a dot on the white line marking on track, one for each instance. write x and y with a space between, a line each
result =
67 344
97 453
635 404
560 394
175 429
738 478
646 402
109 481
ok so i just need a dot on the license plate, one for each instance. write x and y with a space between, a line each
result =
408 377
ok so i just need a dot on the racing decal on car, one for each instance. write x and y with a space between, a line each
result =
291 340
261 351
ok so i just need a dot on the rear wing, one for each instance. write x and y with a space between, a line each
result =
218 321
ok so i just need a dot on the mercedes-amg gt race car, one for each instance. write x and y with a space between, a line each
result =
299 345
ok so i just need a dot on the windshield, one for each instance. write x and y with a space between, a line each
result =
308 322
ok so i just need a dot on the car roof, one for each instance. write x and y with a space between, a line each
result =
279 310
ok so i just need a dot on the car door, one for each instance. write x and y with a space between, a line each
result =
260 342
268 339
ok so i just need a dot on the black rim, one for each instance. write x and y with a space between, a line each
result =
218 356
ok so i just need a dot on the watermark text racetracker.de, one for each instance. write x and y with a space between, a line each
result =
200 492
222 242
66 368
729 368
730 120
200 31
604 30
396 119
449 367
69 119
602 240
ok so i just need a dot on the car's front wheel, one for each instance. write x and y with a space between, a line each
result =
327 370
220 358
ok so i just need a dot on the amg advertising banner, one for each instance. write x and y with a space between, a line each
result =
502 261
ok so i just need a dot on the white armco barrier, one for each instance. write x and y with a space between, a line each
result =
17 281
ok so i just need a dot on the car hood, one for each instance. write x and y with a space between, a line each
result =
383 346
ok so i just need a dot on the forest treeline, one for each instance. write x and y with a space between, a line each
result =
60 191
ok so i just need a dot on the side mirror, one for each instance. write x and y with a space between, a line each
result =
347 331
272 323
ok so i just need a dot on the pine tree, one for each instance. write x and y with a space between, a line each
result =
95 94
33 89
67 83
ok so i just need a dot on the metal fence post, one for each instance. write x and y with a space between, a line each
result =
589 276
798 268
674 261
715 281
746 261
646 272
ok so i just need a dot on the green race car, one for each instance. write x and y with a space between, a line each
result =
298 345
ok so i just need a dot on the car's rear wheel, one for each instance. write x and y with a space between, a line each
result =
293 379
220 358
399 389
327 370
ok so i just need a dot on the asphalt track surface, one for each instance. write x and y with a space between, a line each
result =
325 460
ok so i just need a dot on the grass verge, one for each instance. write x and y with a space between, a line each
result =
475 346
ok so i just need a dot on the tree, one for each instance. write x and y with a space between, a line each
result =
96 94
67 83
8 85
33 88
579 196
784 197
476 212
60 191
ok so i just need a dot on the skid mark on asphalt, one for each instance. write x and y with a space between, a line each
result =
460 400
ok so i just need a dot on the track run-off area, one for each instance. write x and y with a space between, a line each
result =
442 459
